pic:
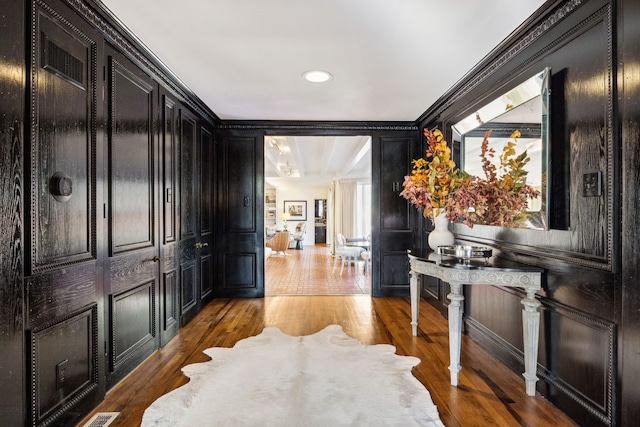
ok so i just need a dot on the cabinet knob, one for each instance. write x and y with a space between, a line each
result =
156 259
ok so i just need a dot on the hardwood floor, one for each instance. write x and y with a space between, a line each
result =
488 394
310 272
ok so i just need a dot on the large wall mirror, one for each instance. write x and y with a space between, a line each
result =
524 108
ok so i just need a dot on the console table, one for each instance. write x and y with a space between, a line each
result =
492 271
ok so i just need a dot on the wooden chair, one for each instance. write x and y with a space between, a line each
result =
279 243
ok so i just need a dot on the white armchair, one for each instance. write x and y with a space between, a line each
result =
349 254
366 256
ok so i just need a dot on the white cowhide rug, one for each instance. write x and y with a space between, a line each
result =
273 379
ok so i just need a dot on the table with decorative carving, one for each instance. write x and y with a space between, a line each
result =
491 271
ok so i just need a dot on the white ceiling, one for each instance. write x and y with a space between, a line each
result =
390 60
316 160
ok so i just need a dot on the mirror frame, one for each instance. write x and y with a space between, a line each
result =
475 124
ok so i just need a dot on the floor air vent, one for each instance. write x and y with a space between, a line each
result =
101 419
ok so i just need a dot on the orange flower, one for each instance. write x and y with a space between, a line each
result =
433 179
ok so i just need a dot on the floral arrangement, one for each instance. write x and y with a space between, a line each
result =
500 198
433 180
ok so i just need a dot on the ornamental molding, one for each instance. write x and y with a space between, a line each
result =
316 127
478 276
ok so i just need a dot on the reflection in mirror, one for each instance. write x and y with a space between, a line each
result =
524 108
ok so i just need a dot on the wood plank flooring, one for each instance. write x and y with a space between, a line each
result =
310 271
489 394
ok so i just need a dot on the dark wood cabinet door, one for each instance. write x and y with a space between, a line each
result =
190 245
207 198
240 226
169 281
197 196
132 263
396 228
13 45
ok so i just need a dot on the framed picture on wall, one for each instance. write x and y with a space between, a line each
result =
297 209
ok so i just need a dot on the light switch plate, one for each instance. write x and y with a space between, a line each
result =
592 184
61 373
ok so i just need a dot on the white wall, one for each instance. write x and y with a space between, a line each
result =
292 192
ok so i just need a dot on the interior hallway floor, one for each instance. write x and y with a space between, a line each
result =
309 271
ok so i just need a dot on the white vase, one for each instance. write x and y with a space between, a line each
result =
440 236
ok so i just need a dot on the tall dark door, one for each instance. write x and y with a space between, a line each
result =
196 216
132 264
397 224
169 282
207 197
240 224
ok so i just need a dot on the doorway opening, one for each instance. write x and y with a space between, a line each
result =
322 184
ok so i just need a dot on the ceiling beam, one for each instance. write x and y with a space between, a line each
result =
271 156
327 154
296 158
364 147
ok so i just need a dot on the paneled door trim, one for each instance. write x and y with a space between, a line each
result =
116 247
169 169
52 31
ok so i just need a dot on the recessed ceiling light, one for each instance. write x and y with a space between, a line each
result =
317 76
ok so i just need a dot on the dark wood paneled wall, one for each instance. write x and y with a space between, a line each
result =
628 85
91 214
63 280
12 130
579 355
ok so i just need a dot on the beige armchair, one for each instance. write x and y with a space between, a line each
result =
279 243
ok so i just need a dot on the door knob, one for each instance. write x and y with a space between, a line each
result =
156 259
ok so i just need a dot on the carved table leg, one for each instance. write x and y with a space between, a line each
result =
455 330
530 330
415 301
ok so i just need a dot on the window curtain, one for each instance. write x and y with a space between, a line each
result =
343 196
